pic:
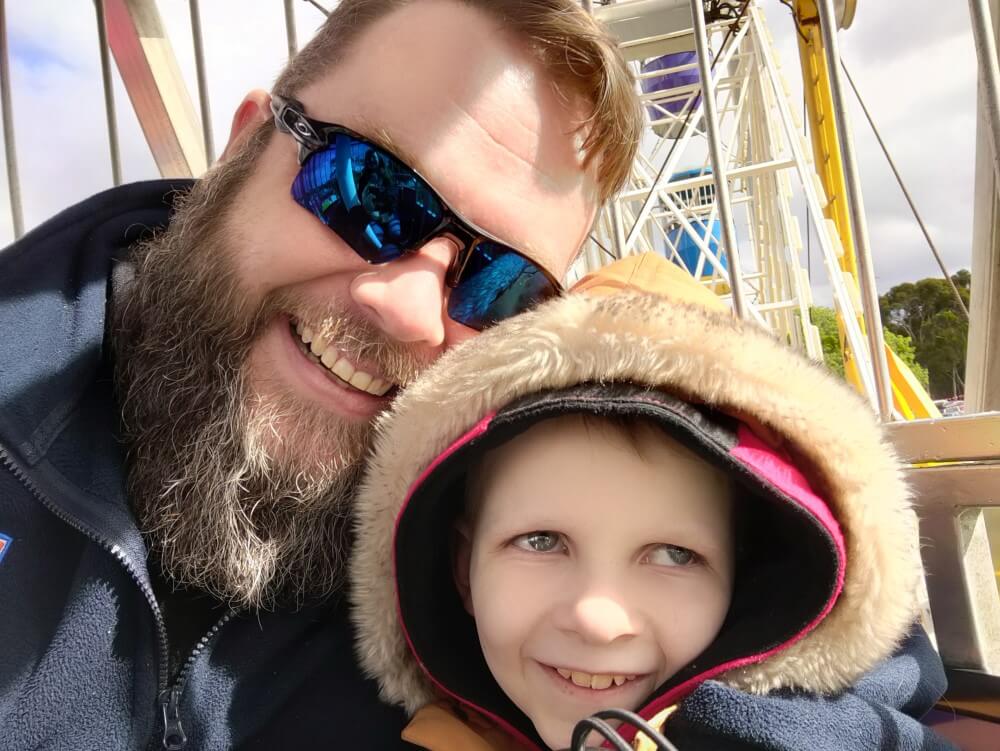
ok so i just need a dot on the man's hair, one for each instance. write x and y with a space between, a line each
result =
581 57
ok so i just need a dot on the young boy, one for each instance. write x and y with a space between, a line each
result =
627 499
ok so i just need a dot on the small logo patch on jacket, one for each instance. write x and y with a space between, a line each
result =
4 544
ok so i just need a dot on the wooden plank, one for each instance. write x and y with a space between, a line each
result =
154 83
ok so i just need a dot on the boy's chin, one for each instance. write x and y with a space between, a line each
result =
557 733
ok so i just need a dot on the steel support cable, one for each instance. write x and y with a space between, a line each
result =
318 7
906 193
7 115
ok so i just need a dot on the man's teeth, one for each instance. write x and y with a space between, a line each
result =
598 681
338 365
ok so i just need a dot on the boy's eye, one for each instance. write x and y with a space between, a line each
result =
671 555
539 542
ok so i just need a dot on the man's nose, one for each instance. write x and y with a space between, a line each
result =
406 297
601 619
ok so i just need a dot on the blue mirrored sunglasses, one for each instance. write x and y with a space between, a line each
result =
384 209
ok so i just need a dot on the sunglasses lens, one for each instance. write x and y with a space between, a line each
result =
374 202
497 283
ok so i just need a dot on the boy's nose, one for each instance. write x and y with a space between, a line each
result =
600 619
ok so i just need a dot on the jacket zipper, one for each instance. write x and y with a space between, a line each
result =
174 737
169 697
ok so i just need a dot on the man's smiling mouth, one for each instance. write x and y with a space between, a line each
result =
336 363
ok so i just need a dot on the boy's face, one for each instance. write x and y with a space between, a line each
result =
595 568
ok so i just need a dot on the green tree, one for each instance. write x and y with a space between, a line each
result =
825 319
944 352
928 313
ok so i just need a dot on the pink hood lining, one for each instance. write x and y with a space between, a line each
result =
777 469
474 432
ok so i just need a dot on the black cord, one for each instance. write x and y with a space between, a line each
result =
795 18
597 723
721 10
661 743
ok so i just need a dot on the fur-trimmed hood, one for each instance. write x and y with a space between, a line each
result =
805 437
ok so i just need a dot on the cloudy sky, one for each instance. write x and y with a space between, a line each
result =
913 60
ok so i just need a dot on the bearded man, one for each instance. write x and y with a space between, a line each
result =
189 372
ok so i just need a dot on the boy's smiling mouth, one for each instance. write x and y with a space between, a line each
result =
594 681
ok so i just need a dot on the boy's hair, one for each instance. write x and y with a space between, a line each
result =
574 50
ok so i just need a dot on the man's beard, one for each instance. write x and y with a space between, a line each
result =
244 496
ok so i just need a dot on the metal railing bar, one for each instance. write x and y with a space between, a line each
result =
10 150
290 30
719 165
199 66
109 94
866 271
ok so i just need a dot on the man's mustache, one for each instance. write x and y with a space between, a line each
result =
352 333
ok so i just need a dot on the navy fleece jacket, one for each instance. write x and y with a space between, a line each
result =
83 649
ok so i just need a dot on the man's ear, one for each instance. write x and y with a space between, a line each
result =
461 560
254 110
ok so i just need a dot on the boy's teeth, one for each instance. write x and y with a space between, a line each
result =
597 681
581 679
600 682
340 366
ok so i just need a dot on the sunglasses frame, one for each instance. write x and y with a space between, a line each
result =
313 136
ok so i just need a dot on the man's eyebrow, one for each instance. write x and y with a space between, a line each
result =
381 137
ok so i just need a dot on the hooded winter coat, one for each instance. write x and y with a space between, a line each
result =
825 597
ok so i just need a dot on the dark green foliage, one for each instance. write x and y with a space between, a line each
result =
928 313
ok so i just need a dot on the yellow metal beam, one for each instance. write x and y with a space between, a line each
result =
909 398
823 129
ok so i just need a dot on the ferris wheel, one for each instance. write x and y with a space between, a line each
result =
722 166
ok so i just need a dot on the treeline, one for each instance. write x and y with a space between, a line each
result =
923 325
